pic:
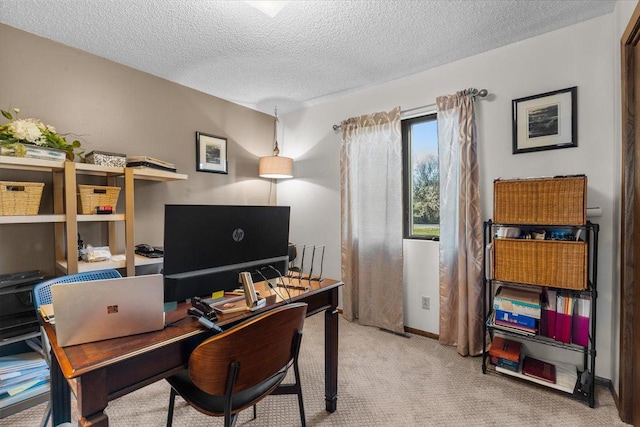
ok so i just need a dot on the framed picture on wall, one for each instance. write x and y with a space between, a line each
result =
546 121
211 153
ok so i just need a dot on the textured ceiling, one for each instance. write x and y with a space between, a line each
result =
309 51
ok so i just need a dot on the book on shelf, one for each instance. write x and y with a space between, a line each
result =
539 369
22 375
516 319
510 327
147 159
504 348
7 399
519 301
491 322
150 165
505 363
21 361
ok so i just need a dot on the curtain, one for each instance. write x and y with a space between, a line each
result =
460 269
371 220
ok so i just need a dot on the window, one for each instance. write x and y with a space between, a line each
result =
421 178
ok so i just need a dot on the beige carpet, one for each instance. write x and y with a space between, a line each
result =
384 380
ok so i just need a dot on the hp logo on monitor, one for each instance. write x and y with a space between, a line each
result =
238 234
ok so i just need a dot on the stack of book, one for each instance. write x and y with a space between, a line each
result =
22 376
506 353
149 162
517 309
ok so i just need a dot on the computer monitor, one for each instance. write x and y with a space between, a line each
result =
207 246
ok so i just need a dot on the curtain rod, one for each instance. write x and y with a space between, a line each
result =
482 93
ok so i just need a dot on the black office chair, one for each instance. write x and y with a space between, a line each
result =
42 295
256 356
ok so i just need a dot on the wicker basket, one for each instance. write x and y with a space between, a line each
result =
92 196
20 198
541 201
554 263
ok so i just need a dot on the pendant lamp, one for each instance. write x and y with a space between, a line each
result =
276 167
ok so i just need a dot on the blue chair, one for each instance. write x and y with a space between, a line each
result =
42 291
42 295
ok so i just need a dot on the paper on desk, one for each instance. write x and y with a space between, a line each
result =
46 310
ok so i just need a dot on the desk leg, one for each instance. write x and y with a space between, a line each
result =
93 398
60 394
331 354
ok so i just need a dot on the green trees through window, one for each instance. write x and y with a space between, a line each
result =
421 177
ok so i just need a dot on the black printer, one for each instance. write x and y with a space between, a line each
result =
17 313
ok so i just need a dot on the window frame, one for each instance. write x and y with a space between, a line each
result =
407 176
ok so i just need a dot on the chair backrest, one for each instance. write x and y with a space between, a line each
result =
42 291
262 346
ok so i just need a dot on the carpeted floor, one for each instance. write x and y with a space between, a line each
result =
384 380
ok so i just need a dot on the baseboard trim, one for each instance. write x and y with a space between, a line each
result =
410 331
421 333
609 384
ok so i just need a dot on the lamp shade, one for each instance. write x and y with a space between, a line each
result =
276 167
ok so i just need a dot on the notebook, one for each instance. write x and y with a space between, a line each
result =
109 308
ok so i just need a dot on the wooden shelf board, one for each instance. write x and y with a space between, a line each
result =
143 260
27 163
151 174
98 170
99 218
31 219
102 265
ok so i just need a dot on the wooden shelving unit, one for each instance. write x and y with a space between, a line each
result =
65 217
65 220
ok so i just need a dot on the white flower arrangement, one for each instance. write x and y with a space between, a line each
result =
32 131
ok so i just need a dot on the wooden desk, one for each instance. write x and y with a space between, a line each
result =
104 370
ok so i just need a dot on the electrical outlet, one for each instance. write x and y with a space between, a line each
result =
426 303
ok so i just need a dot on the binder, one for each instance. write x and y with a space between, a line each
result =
548 315
564 318
580 322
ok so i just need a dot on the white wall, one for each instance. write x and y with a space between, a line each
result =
114 108
581 55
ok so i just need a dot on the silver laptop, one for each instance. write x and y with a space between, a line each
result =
110 308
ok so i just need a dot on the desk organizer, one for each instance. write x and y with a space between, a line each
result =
92 196
541 201
20 198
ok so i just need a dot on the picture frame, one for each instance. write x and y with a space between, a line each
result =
547 121
211 153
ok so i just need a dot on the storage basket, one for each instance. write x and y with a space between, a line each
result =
541 201
92 196
554 263
104 158
20 198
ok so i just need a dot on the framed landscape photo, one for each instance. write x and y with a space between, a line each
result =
211 153
546 121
